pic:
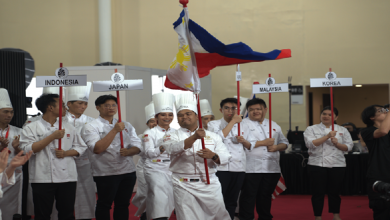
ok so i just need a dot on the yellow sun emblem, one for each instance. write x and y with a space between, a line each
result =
189 85
181 57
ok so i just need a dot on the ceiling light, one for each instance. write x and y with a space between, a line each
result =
358 85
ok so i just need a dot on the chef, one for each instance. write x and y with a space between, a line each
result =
159 200
194 198
206 112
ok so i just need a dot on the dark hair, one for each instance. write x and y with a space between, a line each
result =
104 98
46 100
369 112
386 106
255 101
228 100
350 123
335 111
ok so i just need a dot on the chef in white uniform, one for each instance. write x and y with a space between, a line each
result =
113 168
47 90
139 200
194 198
207 112
7 175
11 203
262 162
85 192
159 200
52 172
231 175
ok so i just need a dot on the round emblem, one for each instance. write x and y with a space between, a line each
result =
270 81
117 77
62 72
330 75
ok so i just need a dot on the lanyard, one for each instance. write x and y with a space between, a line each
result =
6 134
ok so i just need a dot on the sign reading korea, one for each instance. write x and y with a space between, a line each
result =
330 80
62 78
117 83
269 87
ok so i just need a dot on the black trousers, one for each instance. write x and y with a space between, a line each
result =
257 190
44 195
325 181
117 189
379 206
231 183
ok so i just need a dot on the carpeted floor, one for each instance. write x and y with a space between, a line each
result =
298 207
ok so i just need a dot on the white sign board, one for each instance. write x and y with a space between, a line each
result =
330 80
269 87
62 78
117 83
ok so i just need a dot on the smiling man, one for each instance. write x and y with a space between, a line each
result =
194 198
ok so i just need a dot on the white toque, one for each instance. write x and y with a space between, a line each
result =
5 101
186 101
79 93
149 111
243 101
163 102
205 108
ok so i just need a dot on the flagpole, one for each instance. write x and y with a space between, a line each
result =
270 113
60 116
119 112
238 99
331 102
203 145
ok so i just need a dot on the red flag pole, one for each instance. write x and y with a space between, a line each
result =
270 113
238 102
203 145
331 102
60 117
119 112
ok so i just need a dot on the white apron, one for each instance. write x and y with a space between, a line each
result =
85 203
198 200
11 203
139 200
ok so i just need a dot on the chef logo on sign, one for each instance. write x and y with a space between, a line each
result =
330 75
62 73
270 81
117 77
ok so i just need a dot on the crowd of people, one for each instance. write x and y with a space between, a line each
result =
241 157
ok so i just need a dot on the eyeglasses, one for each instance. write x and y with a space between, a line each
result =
228 108
382 110
108 106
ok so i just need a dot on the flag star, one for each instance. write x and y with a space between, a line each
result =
189 85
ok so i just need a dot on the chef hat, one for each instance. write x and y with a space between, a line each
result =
243 101
186 101
205 108
79 93
5 101
54 90
163 102
149 111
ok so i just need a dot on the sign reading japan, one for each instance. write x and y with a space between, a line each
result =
269 87
117 83
62 78
330 80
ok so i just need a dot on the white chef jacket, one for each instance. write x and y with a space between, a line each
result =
259 160
326 154
79 123
5 181
32 119
187 161
44 166
110 162
237 162
12 132
151 141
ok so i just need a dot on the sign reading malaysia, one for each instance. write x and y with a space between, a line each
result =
269 87
117 83
330 80
62 78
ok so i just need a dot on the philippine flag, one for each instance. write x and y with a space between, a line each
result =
195 42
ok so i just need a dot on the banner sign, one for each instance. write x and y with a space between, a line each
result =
269 87
330 80
62 78
117 83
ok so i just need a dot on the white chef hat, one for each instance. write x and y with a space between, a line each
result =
205 108
54 90
149 111
243 101
79 93
5 101
163 102
186 101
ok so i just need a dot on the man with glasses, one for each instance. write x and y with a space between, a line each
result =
113 168
376 136
232 174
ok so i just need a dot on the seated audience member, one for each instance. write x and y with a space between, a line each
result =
352 130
